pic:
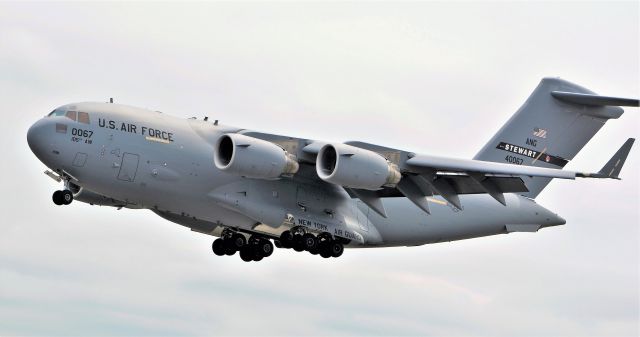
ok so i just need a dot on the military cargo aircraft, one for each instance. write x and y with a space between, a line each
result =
250 188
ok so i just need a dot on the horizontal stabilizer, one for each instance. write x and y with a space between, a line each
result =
614 165
595 100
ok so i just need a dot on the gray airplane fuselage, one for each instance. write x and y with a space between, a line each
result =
150 160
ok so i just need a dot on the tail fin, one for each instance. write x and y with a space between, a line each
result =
551 127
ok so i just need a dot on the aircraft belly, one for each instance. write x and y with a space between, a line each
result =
318 208
480 216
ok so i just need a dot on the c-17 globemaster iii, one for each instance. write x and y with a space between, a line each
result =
249 188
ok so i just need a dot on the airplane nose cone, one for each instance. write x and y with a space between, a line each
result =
36 138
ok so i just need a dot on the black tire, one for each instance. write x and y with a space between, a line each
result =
257 257
286 239
246 254
218 247
277 244
57 198
229 249
298 245
325 253
309 242
265 247
336 249
67 197
238 241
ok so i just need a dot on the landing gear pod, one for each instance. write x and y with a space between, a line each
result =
354 167
253 158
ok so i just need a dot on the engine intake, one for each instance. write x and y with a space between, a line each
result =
354 167
252 157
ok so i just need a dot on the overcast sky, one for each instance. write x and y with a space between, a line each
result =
437 78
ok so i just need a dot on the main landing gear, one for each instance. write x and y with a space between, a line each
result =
324 244
254 249
259 246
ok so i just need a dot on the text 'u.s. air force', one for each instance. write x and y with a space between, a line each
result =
133 128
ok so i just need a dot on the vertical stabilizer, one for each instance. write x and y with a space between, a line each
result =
551 127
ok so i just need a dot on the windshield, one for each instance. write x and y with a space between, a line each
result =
77 116
57 112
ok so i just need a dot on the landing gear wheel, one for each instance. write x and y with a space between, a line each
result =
67 197
246 254
265 247
325 253
238 241
257 257
218 247
57 198
286 239
229 248
298 246
309 242
336 249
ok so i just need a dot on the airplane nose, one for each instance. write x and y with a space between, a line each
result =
36 138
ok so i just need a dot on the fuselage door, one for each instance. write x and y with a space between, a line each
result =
128 167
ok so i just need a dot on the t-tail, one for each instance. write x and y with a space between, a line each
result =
552 126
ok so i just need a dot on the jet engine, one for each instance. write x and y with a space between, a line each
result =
252 157
354 167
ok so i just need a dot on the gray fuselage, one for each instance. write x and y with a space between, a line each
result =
146 159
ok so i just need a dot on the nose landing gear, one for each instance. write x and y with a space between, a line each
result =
64 197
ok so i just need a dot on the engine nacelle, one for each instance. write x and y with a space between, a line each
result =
252 157
354 167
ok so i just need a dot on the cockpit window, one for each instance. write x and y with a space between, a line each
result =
83 117
79 116
57 112
71 115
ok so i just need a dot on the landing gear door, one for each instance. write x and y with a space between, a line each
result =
128 167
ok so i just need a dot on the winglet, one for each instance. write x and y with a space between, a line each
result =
614 165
